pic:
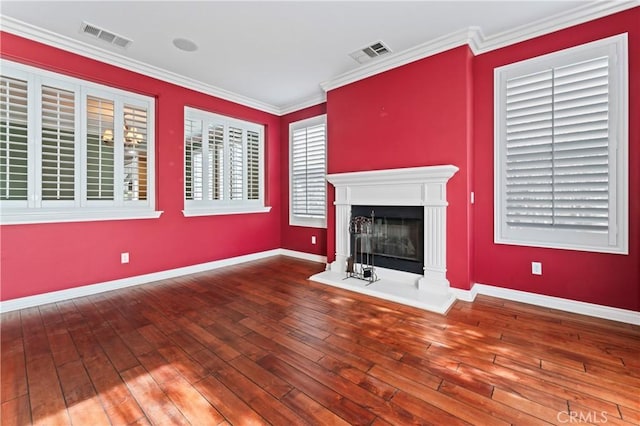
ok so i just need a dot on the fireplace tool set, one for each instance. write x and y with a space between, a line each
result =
360 264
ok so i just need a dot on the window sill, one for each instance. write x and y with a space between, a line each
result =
31 217
217 211
308 222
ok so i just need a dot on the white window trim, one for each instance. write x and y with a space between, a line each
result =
295 220
617 239
195 208
79 210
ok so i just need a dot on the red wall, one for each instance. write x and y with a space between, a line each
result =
298 237
414 115
48 257
605 279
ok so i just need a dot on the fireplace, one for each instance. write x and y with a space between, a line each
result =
397 239
425 188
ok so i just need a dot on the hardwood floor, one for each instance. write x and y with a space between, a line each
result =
259 344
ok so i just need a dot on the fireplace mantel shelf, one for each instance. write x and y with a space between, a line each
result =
414 186
394 176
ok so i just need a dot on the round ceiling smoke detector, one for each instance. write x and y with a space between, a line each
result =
184 44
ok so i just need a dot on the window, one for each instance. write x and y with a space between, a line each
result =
71 150
561 149
308 187
223 165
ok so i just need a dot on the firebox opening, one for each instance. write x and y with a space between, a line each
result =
397 240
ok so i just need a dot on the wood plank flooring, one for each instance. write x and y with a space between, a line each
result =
259 344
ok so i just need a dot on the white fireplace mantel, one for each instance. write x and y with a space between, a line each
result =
415 186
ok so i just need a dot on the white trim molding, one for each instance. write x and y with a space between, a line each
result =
87 290
471 36
479 43
304 256
579 15
305 103
567 305
22 29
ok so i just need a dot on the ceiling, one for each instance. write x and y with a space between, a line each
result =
275 53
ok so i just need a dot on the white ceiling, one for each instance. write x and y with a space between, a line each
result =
274 52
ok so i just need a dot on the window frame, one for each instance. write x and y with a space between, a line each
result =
225 206
615 239
80 209
296 220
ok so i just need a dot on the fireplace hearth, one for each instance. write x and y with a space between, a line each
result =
423 188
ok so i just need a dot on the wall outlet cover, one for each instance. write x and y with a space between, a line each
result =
536 268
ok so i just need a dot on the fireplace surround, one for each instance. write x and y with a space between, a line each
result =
414 186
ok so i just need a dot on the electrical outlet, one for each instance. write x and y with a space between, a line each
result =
536 268
124 257
313 239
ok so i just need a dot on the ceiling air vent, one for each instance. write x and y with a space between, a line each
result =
368 53
104 35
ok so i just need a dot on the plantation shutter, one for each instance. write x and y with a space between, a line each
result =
308 159
135 152
13 139
193 159
253 165
557 147
58 144
100 149
236 164
216 161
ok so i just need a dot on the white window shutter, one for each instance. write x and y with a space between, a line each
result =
561 149
230 165
13 139
557 147
581 145
236 164
193 159
100 156
135 152
216 162
58 137
308 169
253 165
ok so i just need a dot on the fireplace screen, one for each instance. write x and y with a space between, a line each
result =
397 239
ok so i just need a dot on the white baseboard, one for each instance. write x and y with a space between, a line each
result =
87 290
306 256
590 309
568 305
465 295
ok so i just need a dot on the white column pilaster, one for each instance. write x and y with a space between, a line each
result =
343 216
435 249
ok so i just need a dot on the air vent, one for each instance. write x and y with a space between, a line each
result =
104 35
368 53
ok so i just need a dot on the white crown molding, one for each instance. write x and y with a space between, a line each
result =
478 43
50 38
579 15
567 305
395 60
471 36
309 102
87 290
